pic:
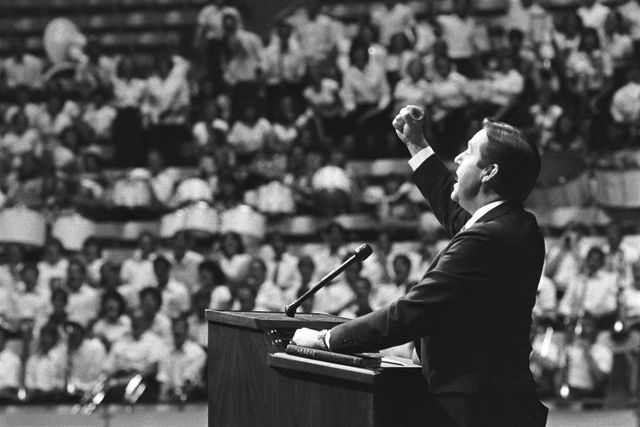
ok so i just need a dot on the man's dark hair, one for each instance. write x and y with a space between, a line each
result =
517 158
214 268
153 293
160 260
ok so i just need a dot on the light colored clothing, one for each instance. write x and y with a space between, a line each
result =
221 298
625 106
48 272
631 302
546 301
45 372
325 260
596 295
27 72
594 16
281 66
128 93
368 86
175 299
272 297
385 293
579 375
130 354
100 119
198 330
631 11
186 270
113 332
86 364
138 271
10 367
318 37
408 92
182 365
246 138
464 37
333 298
246 60
236 267
83 305
399 19
161 327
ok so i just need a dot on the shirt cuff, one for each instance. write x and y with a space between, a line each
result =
327 338
420 157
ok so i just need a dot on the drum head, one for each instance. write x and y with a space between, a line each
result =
559 168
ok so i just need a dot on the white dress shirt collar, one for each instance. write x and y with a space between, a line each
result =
481 212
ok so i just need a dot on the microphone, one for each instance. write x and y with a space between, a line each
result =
360 254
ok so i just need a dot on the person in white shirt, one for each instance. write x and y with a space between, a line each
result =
378 267
208 38
361 302
184 261
619 255
340 294
138 353
564 260
593 14
413 88
546 300
283 63
11 269
250 132
465 37
10 368
83 299
23 69
318 33
282 266
589 363
384 293
53 267
27 299
617 41
241 60
393 17
271 296
99 114
138 269
83 358
213 280
159 322
625 108
593 292
44 372
531 18
175 296
332 252
233 258
181 372
631 11
112 323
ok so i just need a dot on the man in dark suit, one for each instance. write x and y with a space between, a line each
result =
471 313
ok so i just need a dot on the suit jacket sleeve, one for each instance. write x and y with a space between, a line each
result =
458 279
435 182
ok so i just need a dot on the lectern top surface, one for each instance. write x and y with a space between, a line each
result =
261 319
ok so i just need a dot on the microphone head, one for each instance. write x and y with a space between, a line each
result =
362 252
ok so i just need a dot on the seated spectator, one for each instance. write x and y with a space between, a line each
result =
593 14
84 357
317 32
567 135
361 304
545 116
546 300
631 11
10 368
20 137
366 96
392 17
150 303
322 96
282 265
211 130
270 296
198 324
56 312
57 115
99 115
413 87
624 109
184 261
26 186
384 293
93 258
112 322
83 299
283 63
245 298
163 180
340 294
250 132
306 269
332 252
44 372
399 53
592 292
213 281
588 363
619 44
564 261
568 34
378 266
180 373
22 68
137 270
631 297
175 295
233 258
241 55
619 255
12 267
54 266
27 299
136 354
465 36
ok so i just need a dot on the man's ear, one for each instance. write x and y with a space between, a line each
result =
490 172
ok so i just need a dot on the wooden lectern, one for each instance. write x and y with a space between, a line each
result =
253 382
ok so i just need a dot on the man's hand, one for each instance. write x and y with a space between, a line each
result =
306 337
409 127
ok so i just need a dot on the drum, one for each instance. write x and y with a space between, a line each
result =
618 188
248 223
22 225
275 198
72 230
200 219
563 181
131 193
193 190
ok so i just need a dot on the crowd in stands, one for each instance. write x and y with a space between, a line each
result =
271 122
